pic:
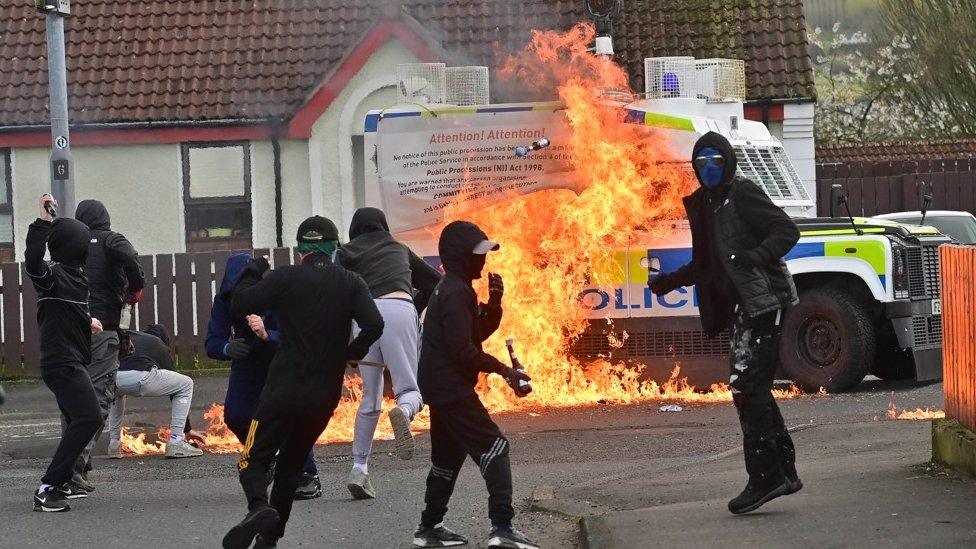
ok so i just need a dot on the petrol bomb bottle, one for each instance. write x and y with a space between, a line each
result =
521 387
536 145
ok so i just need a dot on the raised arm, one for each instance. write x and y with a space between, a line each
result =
35 266
457 323
254 294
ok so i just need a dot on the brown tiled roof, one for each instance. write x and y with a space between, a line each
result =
158 60
898 152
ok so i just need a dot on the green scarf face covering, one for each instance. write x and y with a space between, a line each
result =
326 248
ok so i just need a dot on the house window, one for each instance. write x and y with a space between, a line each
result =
6 209
217 196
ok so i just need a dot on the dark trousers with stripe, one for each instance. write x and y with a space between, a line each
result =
464 428
72 387
291 436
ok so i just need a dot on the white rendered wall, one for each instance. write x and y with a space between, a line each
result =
799 143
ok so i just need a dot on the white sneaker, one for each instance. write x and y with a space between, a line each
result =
359 485
115 449
400 421
182 449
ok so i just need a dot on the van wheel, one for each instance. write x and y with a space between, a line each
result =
828 341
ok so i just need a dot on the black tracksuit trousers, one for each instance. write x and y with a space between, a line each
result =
291 435
459 428
767 446
72 387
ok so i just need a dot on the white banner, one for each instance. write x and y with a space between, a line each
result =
427 162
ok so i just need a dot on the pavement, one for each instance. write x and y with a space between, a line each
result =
606 476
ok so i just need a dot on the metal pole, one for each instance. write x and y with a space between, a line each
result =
62 168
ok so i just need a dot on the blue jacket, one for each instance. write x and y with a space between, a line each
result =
223 327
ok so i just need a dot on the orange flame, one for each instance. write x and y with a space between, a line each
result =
916 414
551 241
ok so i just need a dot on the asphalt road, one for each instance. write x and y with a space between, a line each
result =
606 460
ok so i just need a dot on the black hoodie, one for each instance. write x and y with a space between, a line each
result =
736 218
62 290
456 324
113 265
386 265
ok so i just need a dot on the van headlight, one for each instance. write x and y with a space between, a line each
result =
899 271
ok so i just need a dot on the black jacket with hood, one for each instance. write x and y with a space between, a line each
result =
456 324
63 320
315 304
385 264
736 218
113 265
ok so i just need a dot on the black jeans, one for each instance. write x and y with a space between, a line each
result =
291 435
767 446
82 417
461 428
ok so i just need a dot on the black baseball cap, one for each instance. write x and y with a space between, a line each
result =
317 229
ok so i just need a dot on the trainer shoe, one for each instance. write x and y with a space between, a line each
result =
438 536
115 449
359 485
400 421
263 542
51 500
310 488
71 490
182 449
81 481
753 497
508 536
262 520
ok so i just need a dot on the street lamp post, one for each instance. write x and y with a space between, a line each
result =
62 168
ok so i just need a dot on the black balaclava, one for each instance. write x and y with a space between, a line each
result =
720 143
368 220
93 213
457 249
68 241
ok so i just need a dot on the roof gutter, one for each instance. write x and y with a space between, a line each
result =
151 125
783 101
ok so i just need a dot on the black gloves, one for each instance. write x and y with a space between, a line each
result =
496 289
257 267
663 284
237 349
746 259
514 375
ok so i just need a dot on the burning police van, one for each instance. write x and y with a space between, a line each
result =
870 297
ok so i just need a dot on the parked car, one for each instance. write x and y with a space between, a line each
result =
960 226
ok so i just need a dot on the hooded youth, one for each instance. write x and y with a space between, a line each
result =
385 264
456 325
739 238
63 318
113 265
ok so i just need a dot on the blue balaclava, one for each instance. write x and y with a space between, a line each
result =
712 173
713 160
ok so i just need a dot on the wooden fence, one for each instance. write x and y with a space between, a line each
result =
875 188
959 332
179 292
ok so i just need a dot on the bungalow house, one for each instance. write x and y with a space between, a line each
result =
211 125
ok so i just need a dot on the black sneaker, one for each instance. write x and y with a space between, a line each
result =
259 521
263 542
437 536
792 479
753 497
71 490
310 488
508 536
51 501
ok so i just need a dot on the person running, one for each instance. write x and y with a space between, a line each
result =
250 352
739 238
115 279
315 304
65 329
450 361
391 271
147 370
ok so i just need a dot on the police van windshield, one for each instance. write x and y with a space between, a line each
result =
961 228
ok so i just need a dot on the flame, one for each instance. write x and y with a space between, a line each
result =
552 239
916 414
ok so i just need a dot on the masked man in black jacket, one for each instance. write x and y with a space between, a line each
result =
315 304
739 238
451 358
115 279
66 329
